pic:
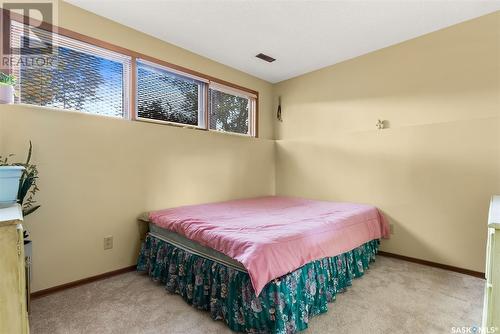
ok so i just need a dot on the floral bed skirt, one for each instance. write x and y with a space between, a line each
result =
284 306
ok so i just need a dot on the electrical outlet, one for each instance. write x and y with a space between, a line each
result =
108 242
391 228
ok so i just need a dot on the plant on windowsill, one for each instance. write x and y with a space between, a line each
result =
7 83
27 185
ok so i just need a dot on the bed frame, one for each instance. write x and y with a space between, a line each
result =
285 305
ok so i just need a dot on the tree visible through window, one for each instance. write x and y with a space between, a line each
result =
82 76
228 112
166 96
77 81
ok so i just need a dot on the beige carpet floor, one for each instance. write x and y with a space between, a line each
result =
393 297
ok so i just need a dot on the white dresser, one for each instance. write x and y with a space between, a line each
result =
491 310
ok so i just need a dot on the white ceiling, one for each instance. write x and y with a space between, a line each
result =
302 35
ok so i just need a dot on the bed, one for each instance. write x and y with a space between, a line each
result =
262 265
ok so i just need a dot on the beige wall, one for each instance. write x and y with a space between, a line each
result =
97 173
433 170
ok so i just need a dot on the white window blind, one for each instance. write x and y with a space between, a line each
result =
76 76
166 95
82 77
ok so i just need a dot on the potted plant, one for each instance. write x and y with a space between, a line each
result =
26 190
7 83
27 186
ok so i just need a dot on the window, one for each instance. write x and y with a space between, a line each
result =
86 75
166 95
231 110
76 76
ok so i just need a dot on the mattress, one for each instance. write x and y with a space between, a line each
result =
273 236
229 295
193 247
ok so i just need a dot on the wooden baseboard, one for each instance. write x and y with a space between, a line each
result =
82 281
433 264
73 284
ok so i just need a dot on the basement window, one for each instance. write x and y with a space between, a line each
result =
82 74
166 95
231 110
75 76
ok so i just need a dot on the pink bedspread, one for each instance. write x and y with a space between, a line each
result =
272 236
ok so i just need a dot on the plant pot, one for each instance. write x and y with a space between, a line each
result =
6 94
9 183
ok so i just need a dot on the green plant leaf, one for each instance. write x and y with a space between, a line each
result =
27 183
24 185
30 210
29 154
7 80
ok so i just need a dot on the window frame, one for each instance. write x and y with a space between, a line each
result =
59 40
252 105
202 91
8 16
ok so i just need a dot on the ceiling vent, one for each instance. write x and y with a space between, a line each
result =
265 57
